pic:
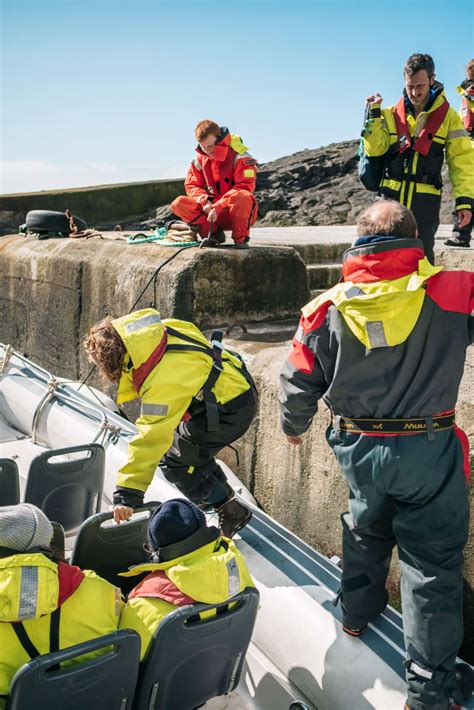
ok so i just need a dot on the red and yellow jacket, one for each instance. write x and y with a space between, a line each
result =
32 588
231 168
388 342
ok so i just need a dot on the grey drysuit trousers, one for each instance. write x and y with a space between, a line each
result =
409 492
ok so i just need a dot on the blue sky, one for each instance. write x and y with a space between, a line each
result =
102 91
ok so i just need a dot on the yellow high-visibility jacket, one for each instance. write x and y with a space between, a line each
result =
169 388
451 139
211 574
30 589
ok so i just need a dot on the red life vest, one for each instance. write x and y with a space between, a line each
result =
467 114
425 138
157 585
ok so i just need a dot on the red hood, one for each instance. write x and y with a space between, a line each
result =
221 150
70 578
382 261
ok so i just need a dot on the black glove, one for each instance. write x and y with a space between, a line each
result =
129 497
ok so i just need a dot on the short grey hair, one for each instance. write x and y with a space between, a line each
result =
387 218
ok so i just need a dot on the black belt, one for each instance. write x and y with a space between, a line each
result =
418 425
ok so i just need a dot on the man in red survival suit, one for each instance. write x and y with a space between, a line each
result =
219 187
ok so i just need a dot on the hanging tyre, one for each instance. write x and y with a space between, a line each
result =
50 221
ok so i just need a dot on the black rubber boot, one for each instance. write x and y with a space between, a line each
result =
215 239
456 242
233 516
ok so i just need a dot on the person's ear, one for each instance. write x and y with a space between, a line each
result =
432 80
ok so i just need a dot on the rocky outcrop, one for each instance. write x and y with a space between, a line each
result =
319 187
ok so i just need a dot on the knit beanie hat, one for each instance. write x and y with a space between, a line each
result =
24 527
174 521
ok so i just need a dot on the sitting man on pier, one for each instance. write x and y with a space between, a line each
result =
196 399
219 187
385 349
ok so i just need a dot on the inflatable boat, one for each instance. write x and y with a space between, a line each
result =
299 656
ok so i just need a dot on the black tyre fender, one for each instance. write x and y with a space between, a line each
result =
49 221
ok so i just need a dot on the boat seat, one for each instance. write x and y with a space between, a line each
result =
68 490
191 660
105 682
9 482
107 548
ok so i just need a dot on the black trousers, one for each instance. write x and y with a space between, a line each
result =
426 208
190 464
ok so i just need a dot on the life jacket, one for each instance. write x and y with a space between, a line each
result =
379 313
42 604
218 170
188 343
424 139
466 89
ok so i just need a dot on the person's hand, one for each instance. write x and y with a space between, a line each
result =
212 216
294 440
374 99
464 217
121 513
207 207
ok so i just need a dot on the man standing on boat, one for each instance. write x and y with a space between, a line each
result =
415 135
196 399
385 349
219 187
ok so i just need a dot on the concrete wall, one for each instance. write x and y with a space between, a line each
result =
51 291
94 204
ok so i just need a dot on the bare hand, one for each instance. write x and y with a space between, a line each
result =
464 217
294 440
121 513
212 216
207 207
374 99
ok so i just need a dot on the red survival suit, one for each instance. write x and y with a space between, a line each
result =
228 181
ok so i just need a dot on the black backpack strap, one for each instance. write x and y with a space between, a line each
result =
28 645
25 640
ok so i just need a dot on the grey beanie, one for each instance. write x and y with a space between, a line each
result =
24 527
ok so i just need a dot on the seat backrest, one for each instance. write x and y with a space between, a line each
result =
108 549
106 682
9 482
67 490
191 660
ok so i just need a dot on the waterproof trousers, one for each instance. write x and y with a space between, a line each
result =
410 492
239 214
190 462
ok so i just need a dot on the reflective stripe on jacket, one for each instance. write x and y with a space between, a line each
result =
31 588
420 174
168 390
217 178
212 574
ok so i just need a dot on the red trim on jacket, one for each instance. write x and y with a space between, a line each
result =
157 585
464 441
425 138
452 291
382 266
302 357
140 374
70 578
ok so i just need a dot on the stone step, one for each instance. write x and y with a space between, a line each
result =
321 253
323 275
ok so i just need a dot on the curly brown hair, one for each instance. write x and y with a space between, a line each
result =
105 347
